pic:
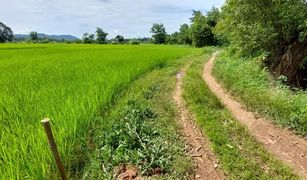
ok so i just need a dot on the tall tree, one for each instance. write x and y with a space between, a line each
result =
159 33
33 36
91 37
202 28
101 36
213 16
184 35
86 39
201 32
6 34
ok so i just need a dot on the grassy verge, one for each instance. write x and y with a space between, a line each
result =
253 86
141 131
240 156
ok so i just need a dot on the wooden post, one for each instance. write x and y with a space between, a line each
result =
53 147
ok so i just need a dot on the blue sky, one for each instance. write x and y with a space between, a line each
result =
131 18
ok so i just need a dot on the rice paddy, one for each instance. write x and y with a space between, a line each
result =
70 84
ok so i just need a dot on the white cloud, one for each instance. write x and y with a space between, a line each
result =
132 18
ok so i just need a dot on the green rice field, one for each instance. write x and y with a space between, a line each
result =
70 84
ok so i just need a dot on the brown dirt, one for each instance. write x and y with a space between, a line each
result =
127 172
206 164
283 144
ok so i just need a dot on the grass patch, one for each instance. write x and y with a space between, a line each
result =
240 156
141 131
253 86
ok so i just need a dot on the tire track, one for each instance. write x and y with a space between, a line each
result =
286 146
206 164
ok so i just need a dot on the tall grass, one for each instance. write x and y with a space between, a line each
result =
69 84
254 86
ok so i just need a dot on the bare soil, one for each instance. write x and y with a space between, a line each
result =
198 147
282 143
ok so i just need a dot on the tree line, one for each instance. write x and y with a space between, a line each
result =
199 33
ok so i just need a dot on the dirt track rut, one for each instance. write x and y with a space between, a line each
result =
206 164
286 146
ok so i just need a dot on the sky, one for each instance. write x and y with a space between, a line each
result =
130 18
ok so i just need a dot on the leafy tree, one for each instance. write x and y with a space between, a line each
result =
173 38
201 32
6 34
159 33
91 37
86 39
119 39
101 36
33 36
184 35
202 28
213 16
277 28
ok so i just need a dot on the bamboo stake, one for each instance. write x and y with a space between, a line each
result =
53 147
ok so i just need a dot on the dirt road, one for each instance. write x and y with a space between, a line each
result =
206 164
283 144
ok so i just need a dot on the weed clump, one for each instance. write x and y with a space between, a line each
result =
134 139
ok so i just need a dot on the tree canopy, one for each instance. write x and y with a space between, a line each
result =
276 28
119 39
101 36
6 33
33 36
202 28
88 38
159 33
184 35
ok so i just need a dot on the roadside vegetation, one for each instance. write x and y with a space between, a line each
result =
278 36
239 154
254 86
265 63
141 131
71 85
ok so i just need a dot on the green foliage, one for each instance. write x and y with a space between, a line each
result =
202 28
239 154
173 38
119 39
6 34
70 84
134 43
276 27
33 36
88 38
101 36
184 35
159 33
255 88
134 139
277 21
